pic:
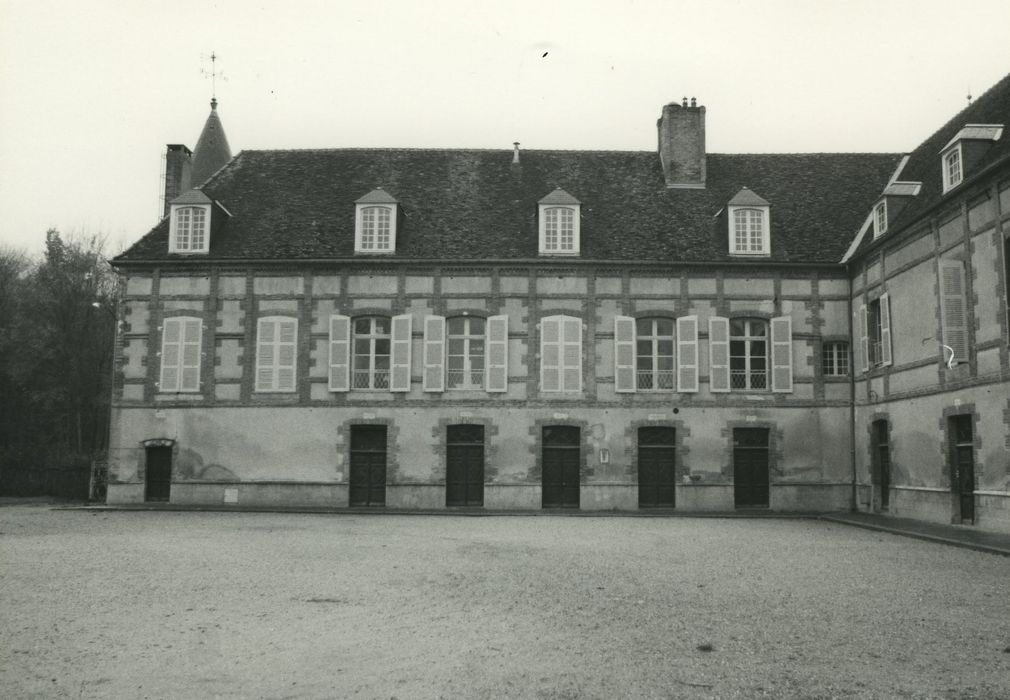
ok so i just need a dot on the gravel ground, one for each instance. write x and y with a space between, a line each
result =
234 605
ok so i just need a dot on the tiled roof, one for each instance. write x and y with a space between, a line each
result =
993 107
478 205
212 150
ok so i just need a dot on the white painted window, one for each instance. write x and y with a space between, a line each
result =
875 332
654 354
749 231
371 345
276 354
181 337
748 354
880 218
188 229
952 168
376 229
835 358
559 230
465 357
560 354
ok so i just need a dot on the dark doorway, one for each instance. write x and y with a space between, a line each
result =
464 465
882 461
962 477
750 467
368 465
656 479
158 477
561 457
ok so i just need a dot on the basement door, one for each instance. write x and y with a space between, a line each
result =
158 473
750 467
560 459
656 452
962 476
368 465
882 457
464 465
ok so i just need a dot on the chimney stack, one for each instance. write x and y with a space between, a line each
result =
682 144
178 171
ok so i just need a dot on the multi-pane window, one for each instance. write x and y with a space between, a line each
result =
952 173
190 229
654 353
376 229
748 231
835 358
880 218
748 354
559 230
874 323
371 348
465 353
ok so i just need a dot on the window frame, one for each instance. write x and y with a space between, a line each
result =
880 218
836 353
373 338
361 219
764 231
175 222
654 339
468 356
546 214
749 339
276 366
954 153
180 385
563 342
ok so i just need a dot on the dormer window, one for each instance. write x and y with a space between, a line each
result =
559 224
375 223
952 173
749 225
880 218
189 223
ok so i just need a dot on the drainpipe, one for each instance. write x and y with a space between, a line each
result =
854 505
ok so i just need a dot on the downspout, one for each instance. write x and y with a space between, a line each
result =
854 504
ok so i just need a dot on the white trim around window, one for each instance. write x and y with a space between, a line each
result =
189 228
880 218
749 230
559 229
952 167
375 228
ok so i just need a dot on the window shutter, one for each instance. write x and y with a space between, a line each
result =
864 338
885 329
171 340
953 316
265 354
497 345
399 379
434 353
718 354
571 354
782 354
287 356
687 353
190 369
550 353
340 346
624 355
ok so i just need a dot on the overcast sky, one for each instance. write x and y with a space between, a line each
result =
90 92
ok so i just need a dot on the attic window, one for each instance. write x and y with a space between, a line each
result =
559 224
749 227
880 218
952 172
375 223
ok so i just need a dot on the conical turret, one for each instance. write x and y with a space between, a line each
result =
212 149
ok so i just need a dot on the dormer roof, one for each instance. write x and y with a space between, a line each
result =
902 189
377 196
976 132
192 197
746 198
212 151
559 196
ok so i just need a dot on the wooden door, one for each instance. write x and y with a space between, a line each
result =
750 467
464 465
882 458
656 479
158 474
561 458
963 462
368 465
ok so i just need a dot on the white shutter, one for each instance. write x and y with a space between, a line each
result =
497 345
687 353
276 354
434 353
171 352
782 354
718 354
571 354
340 351
550 353
287 354
399 379
864 338
885 329
953 312
266 355
190 366
625 376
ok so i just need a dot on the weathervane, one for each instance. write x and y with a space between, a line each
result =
213 78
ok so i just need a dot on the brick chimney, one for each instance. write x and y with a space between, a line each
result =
178 169
682 144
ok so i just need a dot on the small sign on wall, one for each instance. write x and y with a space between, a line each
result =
231 495
604 456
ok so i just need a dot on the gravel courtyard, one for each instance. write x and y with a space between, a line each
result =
237 605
